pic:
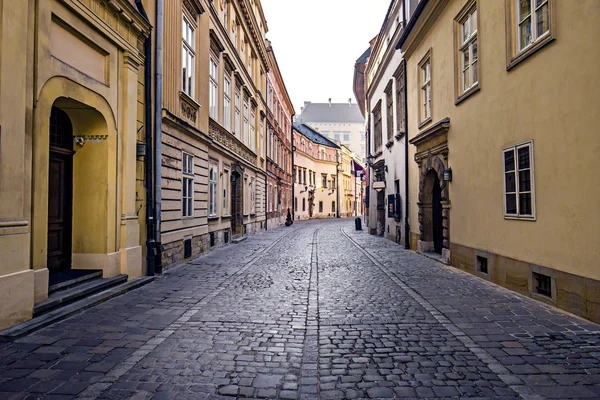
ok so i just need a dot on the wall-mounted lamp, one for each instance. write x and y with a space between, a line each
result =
370 160
448 175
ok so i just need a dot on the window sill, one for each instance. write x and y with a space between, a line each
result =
226 216
189 100
389 144
399 135
468 93
213 217
520 218
425 122
533 48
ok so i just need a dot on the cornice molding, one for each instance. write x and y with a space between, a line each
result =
433 9
434 130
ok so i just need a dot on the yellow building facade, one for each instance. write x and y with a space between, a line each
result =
71 86
502 120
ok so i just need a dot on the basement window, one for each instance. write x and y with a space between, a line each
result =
543 284
212 239
482 264
226 237
187 248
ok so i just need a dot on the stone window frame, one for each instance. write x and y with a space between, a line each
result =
377 127
514 55
400 99
514 149
425 78
213 191
213 97
462 93
227 102
531 283
389 112
189 47
187 185
491 265
226 189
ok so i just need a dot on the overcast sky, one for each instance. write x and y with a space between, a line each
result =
317 42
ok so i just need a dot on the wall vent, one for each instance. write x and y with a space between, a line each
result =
187 248
482 264
542 284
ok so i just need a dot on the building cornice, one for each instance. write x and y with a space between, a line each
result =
434 130
422 21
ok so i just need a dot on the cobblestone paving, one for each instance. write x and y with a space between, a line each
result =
317 310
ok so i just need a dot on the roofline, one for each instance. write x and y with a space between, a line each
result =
411 23
280 76
335 146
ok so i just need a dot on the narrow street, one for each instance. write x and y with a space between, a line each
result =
306 312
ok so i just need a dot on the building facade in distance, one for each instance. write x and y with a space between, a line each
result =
316 177
279 145
340 122
502 126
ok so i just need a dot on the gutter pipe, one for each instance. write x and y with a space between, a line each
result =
158 133
406 197
150 249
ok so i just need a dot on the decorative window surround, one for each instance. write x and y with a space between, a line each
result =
518 181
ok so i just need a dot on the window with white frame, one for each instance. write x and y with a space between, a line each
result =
213 174
227 102
519 189
253 130
226 192
213 99
261 145
246 127
425 94
187 193
188 58
533 19
252 197
238 116
468 51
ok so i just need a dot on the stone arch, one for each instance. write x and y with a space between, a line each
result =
96 162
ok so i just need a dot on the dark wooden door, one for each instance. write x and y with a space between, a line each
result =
237 203
438 230
60 206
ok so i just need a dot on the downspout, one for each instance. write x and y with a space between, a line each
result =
266 144
337 184
158 133
150 248
293 174
406 197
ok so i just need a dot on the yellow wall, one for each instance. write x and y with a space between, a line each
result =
551 98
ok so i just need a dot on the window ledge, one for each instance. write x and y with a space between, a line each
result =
425 122
189 100
520 218
213 217
533 48
399 135
389 144
226 216
469 92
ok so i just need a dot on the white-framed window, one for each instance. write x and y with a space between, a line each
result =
213 173
533 21
187 181
261 144
188 58
238 116
226 184
252 197
468 50
252 130
519 188
246 125
227 102
425 79
213 90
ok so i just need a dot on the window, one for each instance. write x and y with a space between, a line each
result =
533 19
237 116
246 131
261 146
336 136
213 89
252 197
227 102
304 180
400 115
296 204
519 199
333 183
188 58
333 206
323 180
542 284
530 27
253 130
389 111
303 204
425 94
320 206
225 191
482 264
467 52
187 198
377 129
346 136
212 190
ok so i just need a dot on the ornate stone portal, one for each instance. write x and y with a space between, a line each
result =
434 201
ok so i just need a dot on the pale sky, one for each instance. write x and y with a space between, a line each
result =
317 42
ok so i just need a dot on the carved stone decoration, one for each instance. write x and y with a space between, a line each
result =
194 7
215 43
189 108
225 139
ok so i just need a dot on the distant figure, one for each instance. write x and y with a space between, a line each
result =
288 219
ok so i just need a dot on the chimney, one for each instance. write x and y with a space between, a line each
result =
350 102
330 102
301 110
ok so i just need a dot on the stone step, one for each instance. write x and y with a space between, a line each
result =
93 275
63 297
238 238
68 310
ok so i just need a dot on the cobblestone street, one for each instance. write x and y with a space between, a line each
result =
317 310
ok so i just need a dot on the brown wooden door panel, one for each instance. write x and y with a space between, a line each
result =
60 194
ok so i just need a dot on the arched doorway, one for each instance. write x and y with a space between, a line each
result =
60 191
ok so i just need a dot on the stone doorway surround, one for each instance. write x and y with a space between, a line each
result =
432 155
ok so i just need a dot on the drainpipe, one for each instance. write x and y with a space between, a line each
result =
267 161
406 203
158 132
150 249
337 184
293 165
